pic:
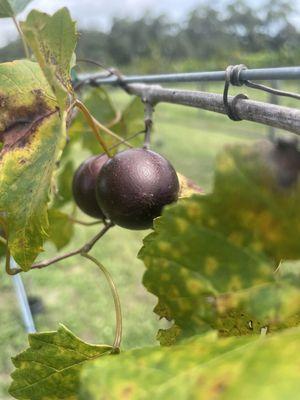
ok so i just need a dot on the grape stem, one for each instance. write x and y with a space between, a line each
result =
117 303
83 249
80 84
85 223
129 138
99 64
26 50
91 121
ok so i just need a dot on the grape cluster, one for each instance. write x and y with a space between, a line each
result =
130 189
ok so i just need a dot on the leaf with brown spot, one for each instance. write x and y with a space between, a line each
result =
33 136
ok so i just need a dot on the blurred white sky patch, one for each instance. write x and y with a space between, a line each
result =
98 14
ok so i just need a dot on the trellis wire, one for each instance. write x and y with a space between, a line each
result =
245 109
285 73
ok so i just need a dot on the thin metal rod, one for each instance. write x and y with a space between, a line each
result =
23 301
213 76
268 114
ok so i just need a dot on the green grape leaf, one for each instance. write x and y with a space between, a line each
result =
168 337
64 183
101 107
204 247
132 121
203 367
50 367
64 177
61 228
53 41
10 8
33 137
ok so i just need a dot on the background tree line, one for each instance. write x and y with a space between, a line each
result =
211 36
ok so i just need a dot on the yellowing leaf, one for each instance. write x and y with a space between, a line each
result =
208 255
53 41
187 186
33 136
274 305
50 367
202 368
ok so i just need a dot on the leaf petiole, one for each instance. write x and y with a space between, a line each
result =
85 223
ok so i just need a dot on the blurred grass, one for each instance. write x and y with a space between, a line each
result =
74 291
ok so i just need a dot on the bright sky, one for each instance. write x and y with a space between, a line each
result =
99 13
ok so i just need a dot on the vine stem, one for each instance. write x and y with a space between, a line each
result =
117 303
99 64
83 249
91 121
85 223
148 123
26 50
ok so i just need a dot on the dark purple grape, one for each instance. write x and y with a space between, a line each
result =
84 183
133 187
